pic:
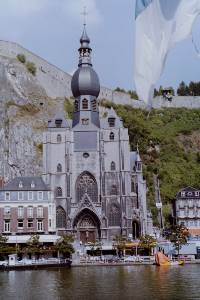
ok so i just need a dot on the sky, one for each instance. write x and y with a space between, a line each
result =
52 29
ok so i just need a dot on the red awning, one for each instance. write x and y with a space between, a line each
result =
194 231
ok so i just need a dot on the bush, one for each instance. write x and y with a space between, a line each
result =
31 67
21 58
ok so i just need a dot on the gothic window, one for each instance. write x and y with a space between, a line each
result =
86 184
86 222
136 230
59 138
76 106
58 191
94 105
112 136
111 122
85 104
112 166
114 215
139 166
59 168
113 190
60 217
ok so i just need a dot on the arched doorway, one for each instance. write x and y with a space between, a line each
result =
87 225
136 230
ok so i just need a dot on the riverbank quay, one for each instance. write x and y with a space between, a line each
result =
115 264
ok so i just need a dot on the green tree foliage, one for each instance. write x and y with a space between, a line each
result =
147 242
133 94
95 246
168 140
193 89
178 235
118 89
33 245
69 108
31 67
21 58
65 245
119 244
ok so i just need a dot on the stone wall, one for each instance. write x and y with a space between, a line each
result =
57 83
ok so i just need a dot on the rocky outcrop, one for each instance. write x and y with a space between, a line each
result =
25 109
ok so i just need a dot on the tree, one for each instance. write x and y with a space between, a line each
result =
182 89
119 244
178 235
147 242
95 246
133 94
33 245
64 245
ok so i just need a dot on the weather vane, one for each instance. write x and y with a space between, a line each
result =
84 13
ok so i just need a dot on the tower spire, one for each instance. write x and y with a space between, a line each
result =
84 13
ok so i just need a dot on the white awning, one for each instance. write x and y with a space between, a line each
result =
22 239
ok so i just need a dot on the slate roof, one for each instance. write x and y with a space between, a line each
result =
13 185
189 192
111 113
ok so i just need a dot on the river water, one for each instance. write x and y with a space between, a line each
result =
116 282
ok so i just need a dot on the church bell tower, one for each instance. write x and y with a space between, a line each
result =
85 89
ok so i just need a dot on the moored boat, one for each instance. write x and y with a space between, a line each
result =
163 260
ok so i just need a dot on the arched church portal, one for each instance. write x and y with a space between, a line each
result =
136 230
86 184
87 225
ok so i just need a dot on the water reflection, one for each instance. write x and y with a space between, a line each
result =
132 282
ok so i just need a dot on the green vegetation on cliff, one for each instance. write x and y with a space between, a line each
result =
169 142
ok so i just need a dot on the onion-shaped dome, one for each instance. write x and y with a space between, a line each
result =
85 81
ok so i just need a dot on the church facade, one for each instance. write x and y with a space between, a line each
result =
98 183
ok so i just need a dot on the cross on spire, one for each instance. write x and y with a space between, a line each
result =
84 13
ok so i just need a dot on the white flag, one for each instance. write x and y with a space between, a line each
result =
160 24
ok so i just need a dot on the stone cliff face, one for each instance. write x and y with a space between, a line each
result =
25 110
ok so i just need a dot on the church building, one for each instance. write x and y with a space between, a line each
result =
98 183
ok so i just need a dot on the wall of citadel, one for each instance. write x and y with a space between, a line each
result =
57 83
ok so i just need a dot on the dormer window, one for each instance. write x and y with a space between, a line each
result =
85 121
20 184
58 123
85 104
32 184
111 122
